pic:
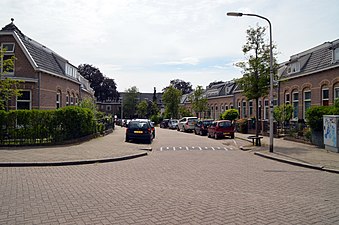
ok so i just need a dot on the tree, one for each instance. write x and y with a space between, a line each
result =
105 89
142 109
199 102
155 95
184 87
183 111
8 86
283 113
256 70
230 114
130 102
171 99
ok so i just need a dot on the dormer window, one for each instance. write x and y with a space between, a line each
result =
336 54
293 68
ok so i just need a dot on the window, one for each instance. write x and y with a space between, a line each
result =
336 93
336 55
226 107
250 108
221 108
243 110
67 99
295 104
108 108
259 110
325 96
72 99
266 103
24 101
58 99
287 98
307 101
294 67
8 55
231 106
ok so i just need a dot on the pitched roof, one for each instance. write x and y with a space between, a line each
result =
43 58
313 60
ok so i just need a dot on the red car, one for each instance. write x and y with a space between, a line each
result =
221 129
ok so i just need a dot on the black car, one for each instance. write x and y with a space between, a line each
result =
139 130
164 123
201 126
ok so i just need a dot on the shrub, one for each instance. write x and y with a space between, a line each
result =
230 114
242 126
314 116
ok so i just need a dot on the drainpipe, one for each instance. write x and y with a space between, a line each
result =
39 83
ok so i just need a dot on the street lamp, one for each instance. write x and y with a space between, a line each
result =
271 70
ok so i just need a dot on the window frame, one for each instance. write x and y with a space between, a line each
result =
24 100
306 101
9 54
295 105
326 100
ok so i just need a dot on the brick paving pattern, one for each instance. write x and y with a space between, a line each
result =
171 187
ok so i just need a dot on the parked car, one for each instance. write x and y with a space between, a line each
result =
187 124
221 129
201 126
139 130
173 124
151 123
164 123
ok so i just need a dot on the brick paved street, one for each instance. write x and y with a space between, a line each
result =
171 187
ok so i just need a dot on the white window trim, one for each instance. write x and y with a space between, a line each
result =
334 92
322 95
8 43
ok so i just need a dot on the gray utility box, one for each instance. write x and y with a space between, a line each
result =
331 132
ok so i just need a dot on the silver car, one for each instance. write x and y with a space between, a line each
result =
187 124
173 124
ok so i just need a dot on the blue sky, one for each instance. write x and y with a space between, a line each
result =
147 43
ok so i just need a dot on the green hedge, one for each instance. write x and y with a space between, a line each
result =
45 126
314 116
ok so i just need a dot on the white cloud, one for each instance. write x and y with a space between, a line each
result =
143 41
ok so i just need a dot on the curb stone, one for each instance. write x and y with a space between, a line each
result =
70 163
296 163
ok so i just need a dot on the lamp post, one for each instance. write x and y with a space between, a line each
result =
271 70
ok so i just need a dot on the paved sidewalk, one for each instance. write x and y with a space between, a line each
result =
111 147
295 153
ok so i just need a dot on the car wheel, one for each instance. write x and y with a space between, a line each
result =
232 136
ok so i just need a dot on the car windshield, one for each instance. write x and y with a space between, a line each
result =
207 123
192 120
174 121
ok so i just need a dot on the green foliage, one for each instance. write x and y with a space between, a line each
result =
45 126
8 86
283 113
183 86
230 114
199 103
130 102
256 70
314 116
104 88
156 119
171 99
242 126
142 109
184 112
336 103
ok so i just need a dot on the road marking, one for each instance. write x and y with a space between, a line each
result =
173 148
167 148
200 148
205 147
213 149
192 147
226 149
218 148
186 148
180 147
161 149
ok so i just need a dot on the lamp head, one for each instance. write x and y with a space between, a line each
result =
234 14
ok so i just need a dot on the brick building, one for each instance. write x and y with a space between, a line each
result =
49 81
309 78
